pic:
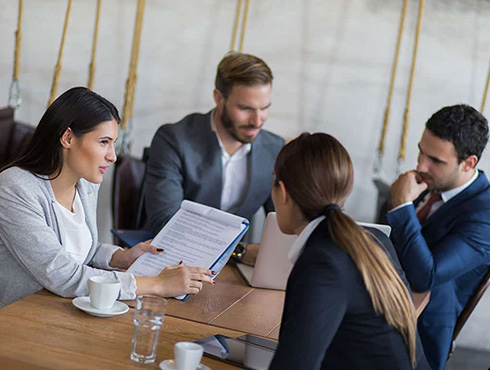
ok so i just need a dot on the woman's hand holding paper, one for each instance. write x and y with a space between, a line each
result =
124 259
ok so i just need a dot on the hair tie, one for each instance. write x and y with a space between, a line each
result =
329 207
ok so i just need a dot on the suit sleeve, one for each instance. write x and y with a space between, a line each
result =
164 180
269 205
316 302
464 248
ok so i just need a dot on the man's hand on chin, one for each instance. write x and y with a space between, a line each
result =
406 188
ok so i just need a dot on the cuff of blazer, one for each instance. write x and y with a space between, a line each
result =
128 282
128 285
104 255
400 206
404 223
401 215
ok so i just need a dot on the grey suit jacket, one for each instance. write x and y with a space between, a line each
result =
32 255
185 163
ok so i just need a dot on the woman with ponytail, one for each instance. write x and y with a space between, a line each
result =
346 305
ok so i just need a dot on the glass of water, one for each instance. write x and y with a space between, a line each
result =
148 320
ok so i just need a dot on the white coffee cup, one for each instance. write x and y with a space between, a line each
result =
187 355
103 291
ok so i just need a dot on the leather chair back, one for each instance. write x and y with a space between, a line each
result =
468 309
14 136
128 193
6 126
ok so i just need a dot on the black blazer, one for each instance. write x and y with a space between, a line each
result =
328 320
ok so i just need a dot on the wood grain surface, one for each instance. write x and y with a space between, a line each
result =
233 304
44 331
213 300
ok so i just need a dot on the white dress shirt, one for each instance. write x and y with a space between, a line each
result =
78 236
299 244
236 174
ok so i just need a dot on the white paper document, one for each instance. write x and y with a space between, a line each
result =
198 235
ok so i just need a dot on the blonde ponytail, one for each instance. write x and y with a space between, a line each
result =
389 295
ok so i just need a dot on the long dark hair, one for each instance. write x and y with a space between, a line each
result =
316 170
79 109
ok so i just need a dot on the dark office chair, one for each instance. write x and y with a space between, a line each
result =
383 205
14 136
128 210
468 309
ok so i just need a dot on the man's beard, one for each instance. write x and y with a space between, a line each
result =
443 184
231 128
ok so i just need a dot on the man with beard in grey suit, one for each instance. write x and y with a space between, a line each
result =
223 159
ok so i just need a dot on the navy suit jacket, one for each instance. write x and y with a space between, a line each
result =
448 254
185 163
329 322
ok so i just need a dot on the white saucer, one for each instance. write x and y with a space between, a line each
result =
83 303
170 365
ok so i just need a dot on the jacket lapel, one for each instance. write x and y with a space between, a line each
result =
90 217
478 186
259 178
214 166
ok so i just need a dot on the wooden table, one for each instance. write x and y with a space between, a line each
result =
44 331
233 304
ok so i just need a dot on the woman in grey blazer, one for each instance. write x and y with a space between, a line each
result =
61 169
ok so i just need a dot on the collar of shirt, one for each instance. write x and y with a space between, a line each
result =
299 243
447 195
239 154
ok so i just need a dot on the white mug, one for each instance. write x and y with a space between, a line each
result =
103 291
187 355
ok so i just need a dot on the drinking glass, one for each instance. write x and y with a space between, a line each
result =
148 320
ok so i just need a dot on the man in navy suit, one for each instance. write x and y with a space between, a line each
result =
441 222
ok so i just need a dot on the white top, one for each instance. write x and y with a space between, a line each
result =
78 237
445 195
236 174
299 244
33 239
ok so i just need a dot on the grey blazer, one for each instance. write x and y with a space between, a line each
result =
185 163
32 255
